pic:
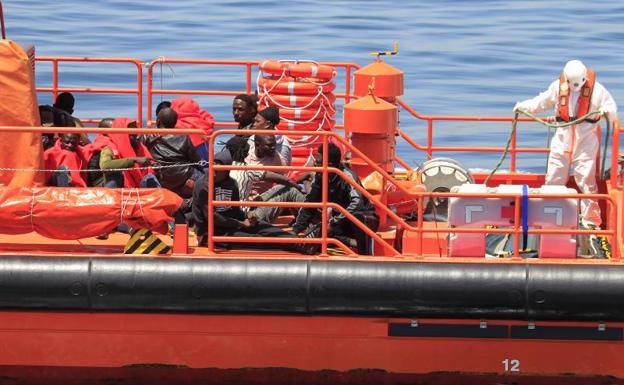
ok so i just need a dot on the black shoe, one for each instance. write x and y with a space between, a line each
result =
311 248
599 247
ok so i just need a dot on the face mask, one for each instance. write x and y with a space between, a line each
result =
575 74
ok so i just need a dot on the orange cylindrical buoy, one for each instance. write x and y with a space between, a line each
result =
387 80
372 123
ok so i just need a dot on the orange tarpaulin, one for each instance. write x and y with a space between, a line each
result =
74 213
18 107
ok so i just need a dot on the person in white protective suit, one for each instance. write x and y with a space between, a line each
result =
575 94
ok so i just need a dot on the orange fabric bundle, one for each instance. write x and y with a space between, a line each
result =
190 116
74 213
18 108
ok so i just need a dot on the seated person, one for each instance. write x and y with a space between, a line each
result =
258 185
161 105
174 149
46 114
191 116
267 119
65 103
231 220
68 158
95 177
244 110
345 195
126 151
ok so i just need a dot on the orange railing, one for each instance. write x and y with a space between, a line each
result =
248 65
400 222
323 205
428 148
55 89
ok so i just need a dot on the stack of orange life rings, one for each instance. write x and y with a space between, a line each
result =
303 92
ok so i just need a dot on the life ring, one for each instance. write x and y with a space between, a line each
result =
303 114
292 87
306 101
321 123
298 69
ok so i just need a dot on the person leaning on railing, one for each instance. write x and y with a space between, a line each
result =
344 194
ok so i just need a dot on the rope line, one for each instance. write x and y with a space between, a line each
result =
201 163
549 125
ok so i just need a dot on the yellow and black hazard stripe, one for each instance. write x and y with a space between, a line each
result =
335 251
143 241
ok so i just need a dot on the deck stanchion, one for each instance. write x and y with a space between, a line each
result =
210 208
55 65
150 74
324 195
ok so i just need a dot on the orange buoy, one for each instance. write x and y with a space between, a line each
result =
370 115
387 80
293 87
298 69
372 122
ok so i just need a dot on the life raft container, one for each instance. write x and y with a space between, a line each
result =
75 213
300 69
303 93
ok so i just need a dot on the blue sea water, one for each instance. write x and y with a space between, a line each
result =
459 57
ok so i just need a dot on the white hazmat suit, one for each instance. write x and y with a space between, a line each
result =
575 146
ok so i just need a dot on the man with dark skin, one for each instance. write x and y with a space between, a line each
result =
68 159
69 142
258 185
106 123
46 113
244 109
231 220
65 102
174 149
267 119
166 118
345 195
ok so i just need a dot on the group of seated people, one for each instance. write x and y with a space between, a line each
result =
131 161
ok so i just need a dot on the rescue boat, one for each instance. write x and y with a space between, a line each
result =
428 307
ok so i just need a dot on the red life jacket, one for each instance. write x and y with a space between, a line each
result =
584 100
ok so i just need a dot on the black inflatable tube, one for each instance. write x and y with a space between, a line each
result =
437 290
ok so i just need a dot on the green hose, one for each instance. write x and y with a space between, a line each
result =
514 124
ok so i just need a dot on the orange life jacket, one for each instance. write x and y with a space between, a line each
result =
584 100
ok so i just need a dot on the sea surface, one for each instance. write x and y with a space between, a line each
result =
459 57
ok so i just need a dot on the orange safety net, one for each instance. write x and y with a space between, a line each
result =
74 213
18 108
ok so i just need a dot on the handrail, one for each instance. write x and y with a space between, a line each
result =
55 89
419 229
429 148
516 229
248 64
325 169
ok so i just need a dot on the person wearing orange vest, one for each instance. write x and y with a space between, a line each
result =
575 94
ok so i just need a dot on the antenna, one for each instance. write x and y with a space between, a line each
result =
387 53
